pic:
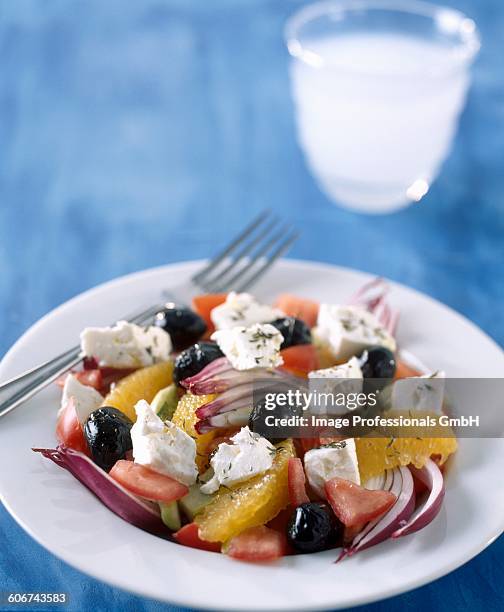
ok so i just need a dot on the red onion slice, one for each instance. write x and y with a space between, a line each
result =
232 406
383 481
220 382
372 297
227 401
218 366
244 392
393 322
370 294
138 512
239 416
221 377
432 478
384 527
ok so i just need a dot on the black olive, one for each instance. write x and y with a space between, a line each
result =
184 326
313 527
107 432
294 331
194 359
378 362
257 418
257 424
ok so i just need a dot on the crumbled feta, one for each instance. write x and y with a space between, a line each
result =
423 393
336 460
242 309
257 346
126 345
325 384
348 330
86 399
163 447
249 455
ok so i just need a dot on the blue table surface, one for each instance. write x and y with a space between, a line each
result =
135 134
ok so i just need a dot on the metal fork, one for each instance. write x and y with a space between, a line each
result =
238 266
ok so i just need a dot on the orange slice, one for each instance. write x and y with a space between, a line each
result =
185 418
250 504
141 384
378 454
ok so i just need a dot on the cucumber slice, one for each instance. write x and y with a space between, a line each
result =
206 476
170 515
194 502
165 402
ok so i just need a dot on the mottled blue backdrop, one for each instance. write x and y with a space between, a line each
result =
138 133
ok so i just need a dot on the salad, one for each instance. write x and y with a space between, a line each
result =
160 423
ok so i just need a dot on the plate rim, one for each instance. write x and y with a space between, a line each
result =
386 592
308 263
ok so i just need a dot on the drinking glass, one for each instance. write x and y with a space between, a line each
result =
378 86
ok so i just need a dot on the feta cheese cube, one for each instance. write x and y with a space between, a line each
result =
247 456
423 393
257 346
348 330
86 399
242 309
336 460
126 345
326 384
163 447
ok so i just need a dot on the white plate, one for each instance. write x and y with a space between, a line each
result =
71 523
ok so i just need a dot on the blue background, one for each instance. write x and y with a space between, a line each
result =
138 133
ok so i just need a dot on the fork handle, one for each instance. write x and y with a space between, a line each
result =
21 388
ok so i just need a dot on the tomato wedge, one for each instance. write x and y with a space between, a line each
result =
204 304
100 378
404 371
281 520
113 375
147 483
354 505
300 359
301 308
257 544
188 535
296 482
303 445
90 378
108 375
349 533
69 430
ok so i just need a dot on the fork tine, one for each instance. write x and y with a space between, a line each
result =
218 281
261 255
231 247
282 248
229 283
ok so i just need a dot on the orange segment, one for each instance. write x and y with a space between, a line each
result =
378 454
250 504
185 418
141 384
